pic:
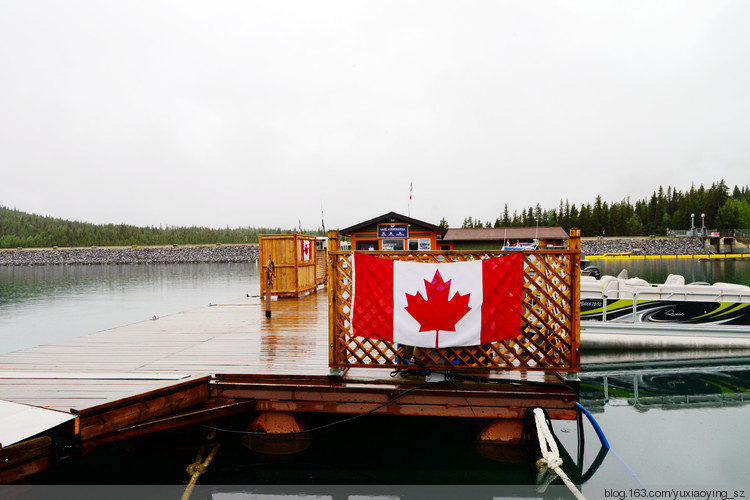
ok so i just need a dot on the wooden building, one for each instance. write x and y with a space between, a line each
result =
496 237
295 261
394 232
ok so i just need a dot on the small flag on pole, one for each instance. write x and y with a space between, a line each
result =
299 226
411 189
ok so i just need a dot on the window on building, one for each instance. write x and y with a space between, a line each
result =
367 245
390 245
419 244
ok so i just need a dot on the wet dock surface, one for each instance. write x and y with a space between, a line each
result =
233 337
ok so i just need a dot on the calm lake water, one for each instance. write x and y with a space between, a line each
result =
673 424
43 304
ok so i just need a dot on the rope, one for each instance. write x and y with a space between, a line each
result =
198 467
550 455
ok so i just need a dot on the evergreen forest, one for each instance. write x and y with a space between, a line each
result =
720 207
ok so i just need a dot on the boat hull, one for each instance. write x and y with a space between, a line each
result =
666 312
664 324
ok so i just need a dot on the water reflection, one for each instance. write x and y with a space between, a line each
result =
724 383
656 270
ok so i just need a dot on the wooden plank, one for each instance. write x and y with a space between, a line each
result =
499 401
92 375
25 459
172 421
145 396
575 244
333 390
109 417
11 474
491 412
25 450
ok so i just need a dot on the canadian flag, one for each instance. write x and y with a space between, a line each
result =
437 304
306 252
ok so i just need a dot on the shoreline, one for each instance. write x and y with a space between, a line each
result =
224 253
600 246
184 254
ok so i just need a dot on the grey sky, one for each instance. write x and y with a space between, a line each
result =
259 113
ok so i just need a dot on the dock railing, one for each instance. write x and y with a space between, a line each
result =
549 339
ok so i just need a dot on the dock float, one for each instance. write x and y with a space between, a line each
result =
221 360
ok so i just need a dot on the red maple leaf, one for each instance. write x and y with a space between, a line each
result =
437 312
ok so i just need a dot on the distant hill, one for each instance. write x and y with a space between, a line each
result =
21 229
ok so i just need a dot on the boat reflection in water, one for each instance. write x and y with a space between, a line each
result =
676 379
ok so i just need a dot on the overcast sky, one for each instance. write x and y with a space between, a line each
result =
260 113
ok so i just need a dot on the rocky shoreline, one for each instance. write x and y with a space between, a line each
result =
129 255
643 246
249 253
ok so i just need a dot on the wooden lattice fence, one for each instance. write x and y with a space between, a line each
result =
549 339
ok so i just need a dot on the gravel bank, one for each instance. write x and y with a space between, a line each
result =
126 255
643 246
249 253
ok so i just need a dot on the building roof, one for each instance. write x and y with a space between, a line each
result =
392 217
505 233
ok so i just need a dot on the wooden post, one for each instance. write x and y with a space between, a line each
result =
574 243
333 248
269 285
333 241
575 296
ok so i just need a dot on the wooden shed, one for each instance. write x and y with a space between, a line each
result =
294 258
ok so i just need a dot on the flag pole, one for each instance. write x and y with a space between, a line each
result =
411 189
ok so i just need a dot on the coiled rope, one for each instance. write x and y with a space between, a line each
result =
550 460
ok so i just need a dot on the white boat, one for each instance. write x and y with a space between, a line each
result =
522 245
621 312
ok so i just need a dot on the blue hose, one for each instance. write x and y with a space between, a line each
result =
605 443
599 432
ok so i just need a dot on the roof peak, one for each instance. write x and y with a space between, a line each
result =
392 217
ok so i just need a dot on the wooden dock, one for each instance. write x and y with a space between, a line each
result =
224 359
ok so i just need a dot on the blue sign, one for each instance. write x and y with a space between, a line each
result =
393 230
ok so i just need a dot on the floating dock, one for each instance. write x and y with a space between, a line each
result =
66 399
212 362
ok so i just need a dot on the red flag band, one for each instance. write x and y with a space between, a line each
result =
437 305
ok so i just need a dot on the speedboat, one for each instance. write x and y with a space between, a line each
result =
673 314
525 246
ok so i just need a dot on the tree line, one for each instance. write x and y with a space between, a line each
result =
721 207
21 229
